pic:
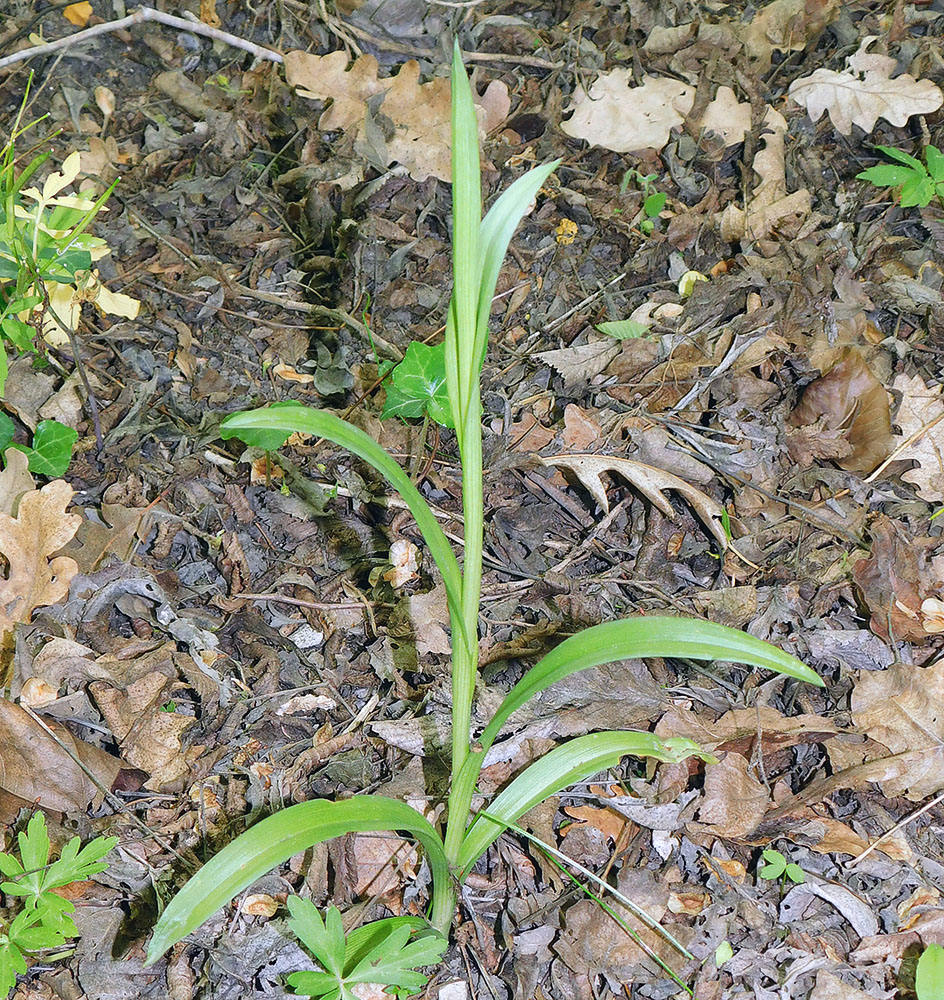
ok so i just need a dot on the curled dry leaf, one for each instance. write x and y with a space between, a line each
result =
34 767
843 415
650 481
864 92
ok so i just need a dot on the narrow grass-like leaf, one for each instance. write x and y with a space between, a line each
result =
687 638
558 769
929 977
467 219
273 841
498 227
285 420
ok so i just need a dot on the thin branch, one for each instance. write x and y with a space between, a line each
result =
138 17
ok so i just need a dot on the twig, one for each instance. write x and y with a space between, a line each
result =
297 602
141 15
898 826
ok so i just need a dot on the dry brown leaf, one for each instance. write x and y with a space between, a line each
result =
117 532
618 116
150 739
28 542
788 26
35 768
843 415
901 708
864 92
893 579
921 407
650 481
420 113
770 206
581 363
15 480
605 820
735 802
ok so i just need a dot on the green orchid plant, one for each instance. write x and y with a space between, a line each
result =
479 248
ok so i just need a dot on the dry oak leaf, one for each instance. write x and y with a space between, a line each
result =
35 768
735 801
921 418
650 481
420 112
618 116
770 206
864 92
28 543
902 708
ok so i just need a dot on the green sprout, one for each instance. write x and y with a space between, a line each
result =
919 182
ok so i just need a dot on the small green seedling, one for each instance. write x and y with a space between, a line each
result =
777 866
654 200
417 385
44 922
385 951
919 182
929 976
51 450
479 247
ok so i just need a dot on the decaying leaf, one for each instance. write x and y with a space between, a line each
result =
419 112
150 739
735 801
788 26
921 417
581 363
618 116
894 580
843 415
769 206
901 708
35 768
864 92
650 481
29 543
15 480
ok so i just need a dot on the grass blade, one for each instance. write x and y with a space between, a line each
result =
467 218
286 420
557 770
686 638
498 227
273 841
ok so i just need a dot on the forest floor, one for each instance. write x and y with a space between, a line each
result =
236 637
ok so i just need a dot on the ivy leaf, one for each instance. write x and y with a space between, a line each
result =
51 452
418 385
7 429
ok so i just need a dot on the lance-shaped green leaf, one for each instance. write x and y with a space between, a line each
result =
684 638
270 428
498 227
557 770
273 841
